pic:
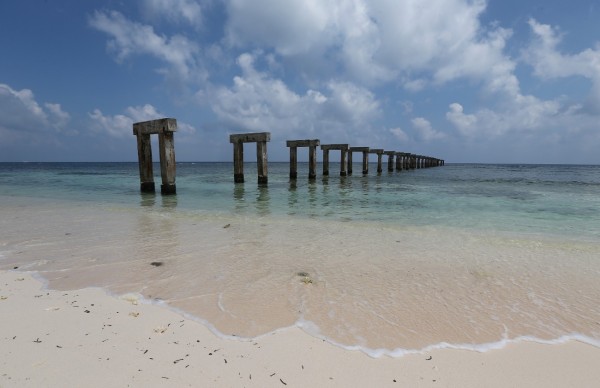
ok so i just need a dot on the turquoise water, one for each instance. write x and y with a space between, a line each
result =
553 199
463 255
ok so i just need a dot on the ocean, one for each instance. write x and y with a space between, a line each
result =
469 256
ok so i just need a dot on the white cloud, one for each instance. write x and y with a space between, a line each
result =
130 38
186 11
465 123
399 134
121 125
548 62
426 131
259 102
21 113
377 40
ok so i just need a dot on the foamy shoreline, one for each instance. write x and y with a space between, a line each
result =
88 338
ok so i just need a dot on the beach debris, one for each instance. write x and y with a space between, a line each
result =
305 277
429 358
3 297
86 311
16 267
156 263
37 341
134 314
52 308
283 382
131 298
19 279
226 226
160 329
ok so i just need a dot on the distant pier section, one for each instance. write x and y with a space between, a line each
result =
164 128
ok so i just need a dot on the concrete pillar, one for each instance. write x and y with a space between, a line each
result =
379 153
167 163
293 162
365 152
325 162
343 148
312 161
390 163
312 157
238 140
399 160
145 164
164 128
238 162
349 163
261 162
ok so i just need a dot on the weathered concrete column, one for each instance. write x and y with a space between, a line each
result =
164 128
365 152
238 162
390 164
261 162
379 153
343 153
293 162
167 162
238 140
145 164
312 157
399 160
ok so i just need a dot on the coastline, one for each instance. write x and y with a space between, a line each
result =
89 338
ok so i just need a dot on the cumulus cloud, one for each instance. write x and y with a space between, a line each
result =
425 130
259 102
548 62
377 41
399 134
121 125
131 38
20 113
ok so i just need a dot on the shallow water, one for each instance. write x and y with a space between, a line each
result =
460 255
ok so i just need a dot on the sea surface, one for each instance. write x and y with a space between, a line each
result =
464 255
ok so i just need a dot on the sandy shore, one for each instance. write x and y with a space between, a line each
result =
88 338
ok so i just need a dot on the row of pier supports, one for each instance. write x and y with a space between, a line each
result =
398 160
166 127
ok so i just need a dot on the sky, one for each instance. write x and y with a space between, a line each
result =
497 81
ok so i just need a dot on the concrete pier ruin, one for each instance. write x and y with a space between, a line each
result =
164 128
365 163
312 157
238 140
343 148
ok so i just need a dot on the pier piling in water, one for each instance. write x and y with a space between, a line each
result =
238 140
312 157
343 148
379 153
164 128
365 152
390 163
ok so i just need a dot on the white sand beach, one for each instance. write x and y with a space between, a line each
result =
87 338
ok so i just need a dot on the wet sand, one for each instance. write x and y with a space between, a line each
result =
88 338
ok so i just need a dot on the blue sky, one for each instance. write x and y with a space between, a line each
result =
498 81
